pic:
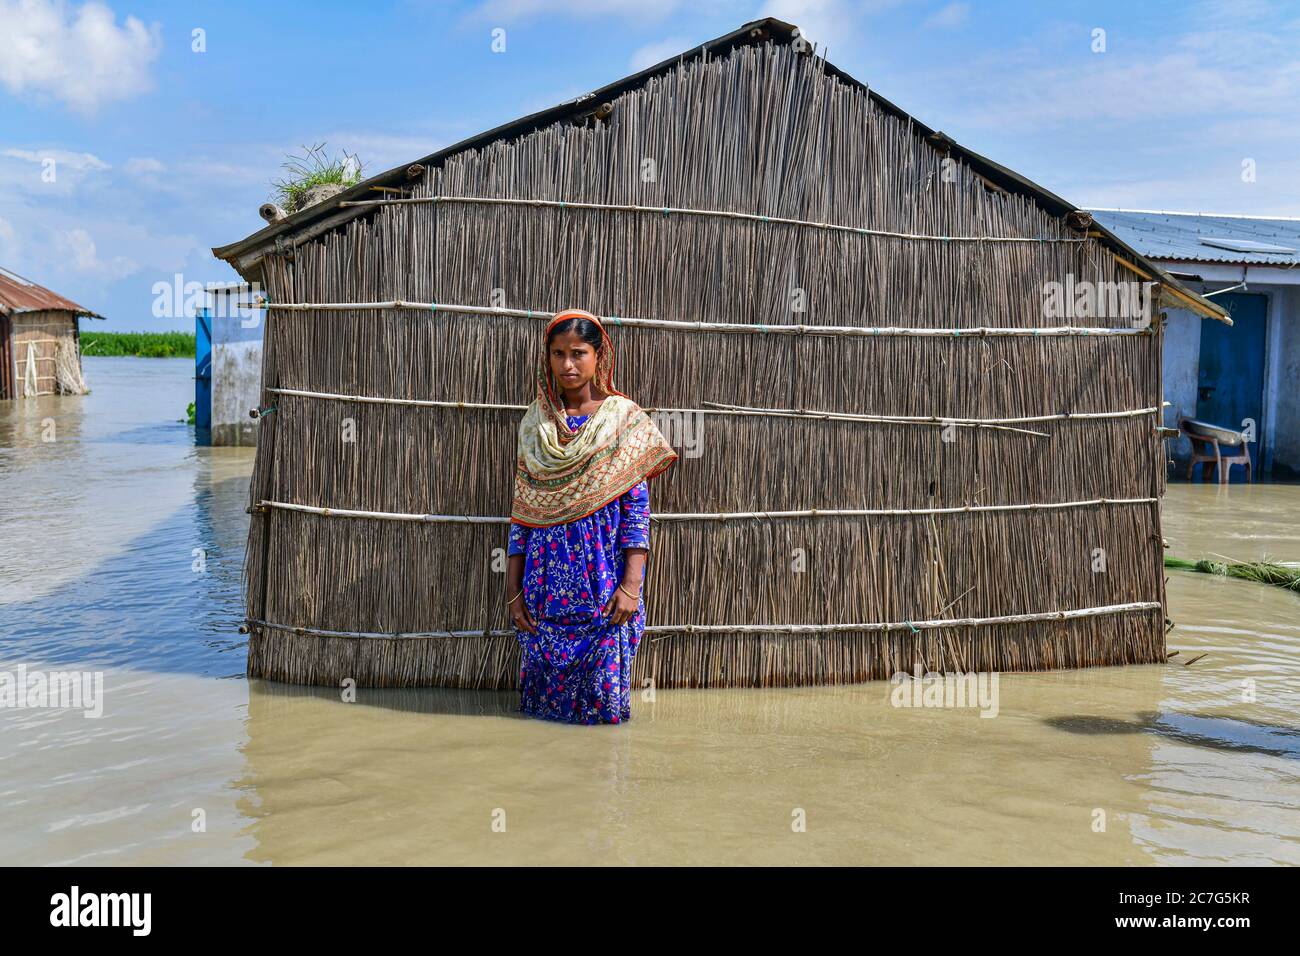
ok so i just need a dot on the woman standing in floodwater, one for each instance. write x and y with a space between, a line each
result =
580 529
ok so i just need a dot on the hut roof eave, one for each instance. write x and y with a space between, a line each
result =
246 254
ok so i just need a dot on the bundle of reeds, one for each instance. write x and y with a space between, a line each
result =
794 548
1283 574
67 369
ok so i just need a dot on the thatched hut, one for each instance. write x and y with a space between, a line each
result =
40 342
904 460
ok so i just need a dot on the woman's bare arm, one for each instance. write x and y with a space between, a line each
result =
514 589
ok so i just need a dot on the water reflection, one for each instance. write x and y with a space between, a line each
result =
128 540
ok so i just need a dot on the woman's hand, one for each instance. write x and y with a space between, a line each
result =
519 614
621 606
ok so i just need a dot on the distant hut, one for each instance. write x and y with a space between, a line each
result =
40 342
906 460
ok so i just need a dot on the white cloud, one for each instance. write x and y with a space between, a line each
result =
946 18
379 151
1049 107
817 20
1189 191
505 11
61 157
222 174
79 56
653 53
825 21
1184 84
8 242
80 247
47 172
1240 70
143 166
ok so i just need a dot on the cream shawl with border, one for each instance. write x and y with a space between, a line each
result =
561 474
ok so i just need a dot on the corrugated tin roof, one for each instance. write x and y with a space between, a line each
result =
23 295
1202 237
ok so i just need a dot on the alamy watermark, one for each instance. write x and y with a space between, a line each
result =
975 690
75 908
79 690
1128 302
179 299
682 428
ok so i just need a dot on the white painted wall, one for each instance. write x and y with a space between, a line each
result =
1181 369
236 371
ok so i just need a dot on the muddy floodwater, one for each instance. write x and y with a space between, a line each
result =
122 549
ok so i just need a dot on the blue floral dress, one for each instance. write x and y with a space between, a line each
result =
577 668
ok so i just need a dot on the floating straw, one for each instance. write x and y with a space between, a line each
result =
1282 574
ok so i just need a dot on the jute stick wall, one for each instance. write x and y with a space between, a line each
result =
762 130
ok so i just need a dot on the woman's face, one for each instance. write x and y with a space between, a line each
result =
573 361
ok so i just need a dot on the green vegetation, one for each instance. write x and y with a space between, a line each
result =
314 168
189 414
1284 575
143 344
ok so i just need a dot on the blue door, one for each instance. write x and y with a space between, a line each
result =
203 377
1230 389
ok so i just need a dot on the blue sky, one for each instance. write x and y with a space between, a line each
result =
161 152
